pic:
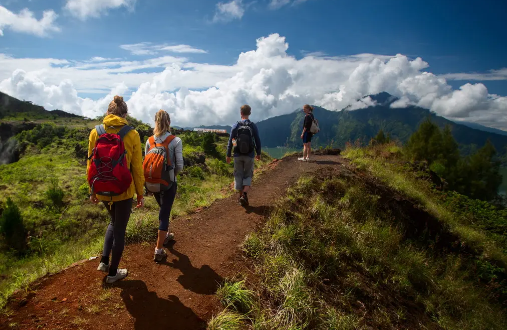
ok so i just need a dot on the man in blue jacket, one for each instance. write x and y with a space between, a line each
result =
246 142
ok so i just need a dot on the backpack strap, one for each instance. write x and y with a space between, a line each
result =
124 131
166 144
100 129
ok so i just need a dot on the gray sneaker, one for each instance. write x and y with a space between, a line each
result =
159 257
120 275
103 267
169 238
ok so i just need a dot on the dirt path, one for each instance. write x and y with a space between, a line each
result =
177 294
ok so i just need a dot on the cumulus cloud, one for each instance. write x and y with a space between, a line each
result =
26 22
229 11
84 9
147 48
268 78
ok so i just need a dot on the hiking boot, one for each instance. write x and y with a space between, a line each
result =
120 275
103 267
243 201
245 196
301 159
160 256
168 239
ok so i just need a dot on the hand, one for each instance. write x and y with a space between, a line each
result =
302 135
258 157
94 199
228 160
140 202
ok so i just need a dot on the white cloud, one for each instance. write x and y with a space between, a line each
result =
267 78
276 4
147 48
96 8
184 49
491 75
25 22
229 11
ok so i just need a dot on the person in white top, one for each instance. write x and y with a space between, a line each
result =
166 199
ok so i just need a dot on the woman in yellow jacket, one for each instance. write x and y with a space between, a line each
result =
119 207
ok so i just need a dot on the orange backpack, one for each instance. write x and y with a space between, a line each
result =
158 170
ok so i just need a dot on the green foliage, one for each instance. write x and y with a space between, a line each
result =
476 176
226 320
12 227
235 295
208 143
54 194
381 138
219 167
42 135
195 172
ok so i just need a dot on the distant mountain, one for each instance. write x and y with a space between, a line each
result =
12 108
340 127
482 128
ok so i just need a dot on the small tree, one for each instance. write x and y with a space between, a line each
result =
380 138
12 227
481 173
54 194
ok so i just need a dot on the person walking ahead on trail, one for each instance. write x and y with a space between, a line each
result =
163 161
115 173
307 135
246 142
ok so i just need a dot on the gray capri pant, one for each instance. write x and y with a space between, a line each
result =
243 171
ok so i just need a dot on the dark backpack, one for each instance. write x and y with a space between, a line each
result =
109 174
245 140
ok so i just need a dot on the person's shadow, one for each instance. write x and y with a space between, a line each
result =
202 280
152 312
263 210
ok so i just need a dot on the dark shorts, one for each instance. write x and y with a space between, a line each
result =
307 137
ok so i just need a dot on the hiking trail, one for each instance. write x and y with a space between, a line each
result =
176 294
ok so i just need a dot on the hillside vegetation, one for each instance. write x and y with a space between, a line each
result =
46 220
372 246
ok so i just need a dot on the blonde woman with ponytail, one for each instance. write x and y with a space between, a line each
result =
165 199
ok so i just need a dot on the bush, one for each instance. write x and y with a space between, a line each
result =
12 227
219 167
54 194
196 172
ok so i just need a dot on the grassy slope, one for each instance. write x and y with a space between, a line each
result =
379 249
61 236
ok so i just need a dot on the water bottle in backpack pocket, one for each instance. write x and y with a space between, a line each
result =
245 139
109 174
158 169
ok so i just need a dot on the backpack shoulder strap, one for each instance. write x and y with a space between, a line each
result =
100 129
166 144
124 131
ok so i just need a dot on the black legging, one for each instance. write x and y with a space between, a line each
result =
115 234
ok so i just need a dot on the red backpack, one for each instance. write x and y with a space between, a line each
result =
109 174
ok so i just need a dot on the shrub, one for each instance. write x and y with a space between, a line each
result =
12 227
219 167
54 194
196 172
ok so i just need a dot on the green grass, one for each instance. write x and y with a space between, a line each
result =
226 320
235 295
343 253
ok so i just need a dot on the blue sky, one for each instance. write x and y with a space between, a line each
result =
460 41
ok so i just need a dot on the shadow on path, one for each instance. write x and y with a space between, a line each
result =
263 211
202 280
152 312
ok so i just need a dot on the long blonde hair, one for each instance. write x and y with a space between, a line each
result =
117 107
162 123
